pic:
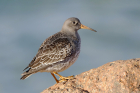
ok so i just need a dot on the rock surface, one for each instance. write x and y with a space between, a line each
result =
121 76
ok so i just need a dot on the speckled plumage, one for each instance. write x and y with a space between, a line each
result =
59 51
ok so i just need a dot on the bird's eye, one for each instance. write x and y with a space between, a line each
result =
75 23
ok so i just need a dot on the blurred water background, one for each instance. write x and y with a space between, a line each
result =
25 24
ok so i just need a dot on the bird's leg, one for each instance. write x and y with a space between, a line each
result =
62 78
55 78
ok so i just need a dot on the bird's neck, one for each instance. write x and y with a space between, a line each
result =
71 33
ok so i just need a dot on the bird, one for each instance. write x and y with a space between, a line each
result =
58 52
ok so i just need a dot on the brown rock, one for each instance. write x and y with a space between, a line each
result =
121 76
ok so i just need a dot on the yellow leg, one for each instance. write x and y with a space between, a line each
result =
55 78
62 78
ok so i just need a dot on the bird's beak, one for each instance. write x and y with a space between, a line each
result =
85 27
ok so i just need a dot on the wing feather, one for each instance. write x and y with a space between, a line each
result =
50 53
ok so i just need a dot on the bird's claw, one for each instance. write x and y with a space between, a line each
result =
66 78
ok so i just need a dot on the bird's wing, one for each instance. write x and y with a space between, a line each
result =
50 53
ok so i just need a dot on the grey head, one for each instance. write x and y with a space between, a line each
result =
73 24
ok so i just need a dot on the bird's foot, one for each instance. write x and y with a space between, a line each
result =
69 77
63 79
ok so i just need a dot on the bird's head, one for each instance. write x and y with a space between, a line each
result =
74 24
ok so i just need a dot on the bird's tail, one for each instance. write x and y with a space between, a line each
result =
25 76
